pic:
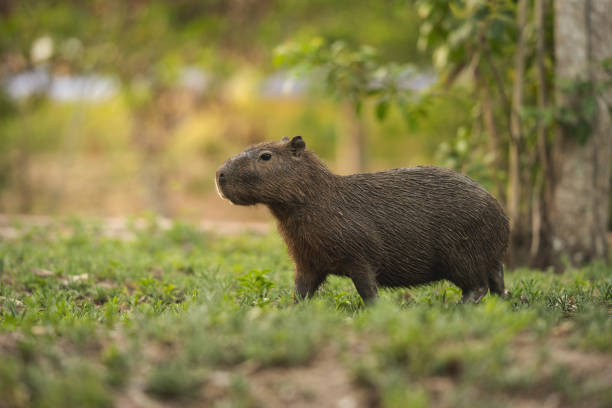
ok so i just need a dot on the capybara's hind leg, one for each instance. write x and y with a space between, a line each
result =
474 294
496 282
364 280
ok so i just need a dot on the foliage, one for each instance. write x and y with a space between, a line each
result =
352 75
475 41
462 32
179 315
466 153
578 112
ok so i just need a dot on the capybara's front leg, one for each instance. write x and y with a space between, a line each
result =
306 284
496 282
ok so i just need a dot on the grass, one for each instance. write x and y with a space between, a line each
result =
180 317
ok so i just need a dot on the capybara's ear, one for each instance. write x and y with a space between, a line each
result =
297 145
285 139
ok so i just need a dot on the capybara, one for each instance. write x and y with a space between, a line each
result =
395 228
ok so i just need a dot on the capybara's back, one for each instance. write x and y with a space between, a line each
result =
400 227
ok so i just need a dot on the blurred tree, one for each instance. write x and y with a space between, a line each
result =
581 193
517 217
539 250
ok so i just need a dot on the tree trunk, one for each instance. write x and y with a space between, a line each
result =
494 142
517 221
152 127
149 139
583 38
540 221
351 152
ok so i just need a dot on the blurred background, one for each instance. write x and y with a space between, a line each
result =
119 107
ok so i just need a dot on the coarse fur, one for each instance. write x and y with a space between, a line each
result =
394 228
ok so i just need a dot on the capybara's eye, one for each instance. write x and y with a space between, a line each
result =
265 156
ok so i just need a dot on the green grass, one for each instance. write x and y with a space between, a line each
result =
178 316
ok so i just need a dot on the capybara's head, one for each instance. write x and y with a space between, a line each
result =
268 173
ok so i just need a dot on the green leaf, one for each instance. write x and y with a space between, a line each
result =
381 109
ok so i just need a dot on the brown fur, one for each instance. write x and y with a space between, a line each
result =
394 228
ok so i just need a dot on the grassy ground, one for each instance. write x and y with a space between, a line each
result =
178 317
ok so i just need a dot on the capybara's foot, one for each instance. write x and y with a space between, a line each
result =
496 282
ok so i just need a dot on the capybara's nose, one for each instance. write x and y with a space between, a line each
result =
221 175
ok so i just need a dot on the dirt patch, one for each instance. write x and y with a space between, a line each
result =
580 363
563 372
324 383
561 376
135 397
8 342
